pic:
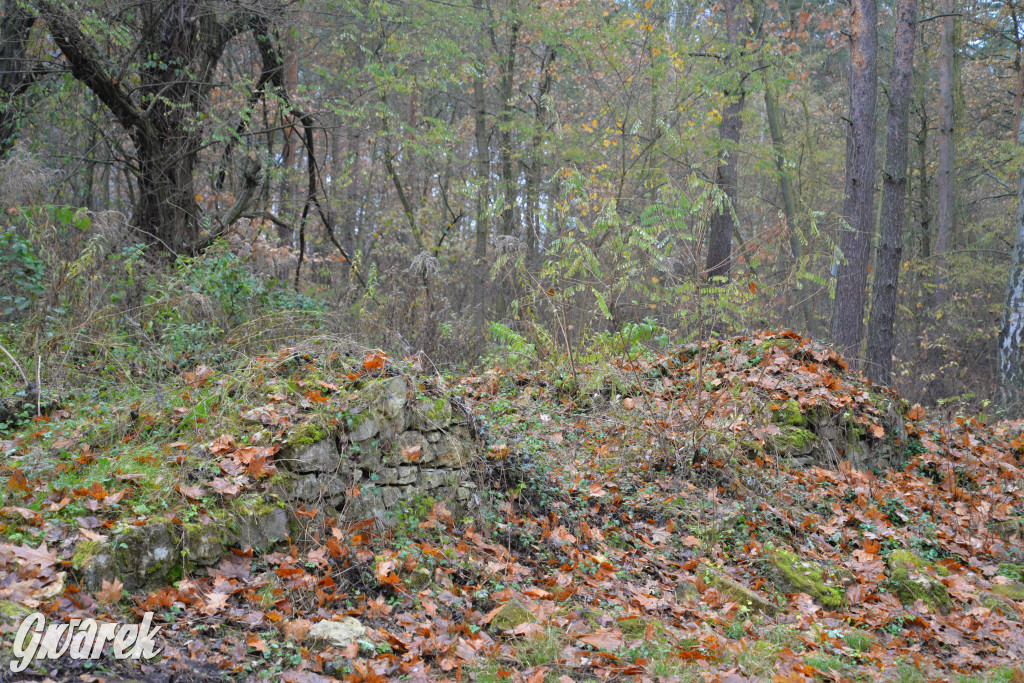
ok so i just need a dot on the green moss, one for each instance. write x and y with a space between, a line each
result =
790 414
84 551
255 504
1001 605
791 574
511 615
633 627
793 440
910 583
12 611
904 557
439 410
307 433
1013 591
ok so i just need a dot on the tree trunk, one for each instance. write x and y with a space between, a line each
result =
1011 332
894 197
161 113
923 184
723 224
944 184
535 172
507 68
858 206
15 27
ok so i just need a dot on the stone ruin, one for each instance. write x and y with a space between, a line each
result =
396 448
824 437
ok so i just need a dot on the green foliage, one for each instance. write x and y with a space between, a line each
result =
22 273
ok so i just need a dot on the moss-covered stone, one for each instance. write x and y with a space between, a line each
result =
84 551
736 591
258 522
511 615
796 438
1007 528
307 434
633 627
905 557
1013 591
12 612
1001 605
910 582
201 545
789 413
791 574
417 579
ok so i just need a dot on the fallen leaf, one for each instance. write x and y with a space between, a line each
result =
215 602
604 639
110 592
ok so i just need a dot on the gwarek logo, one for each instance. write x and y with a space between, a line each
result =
82 639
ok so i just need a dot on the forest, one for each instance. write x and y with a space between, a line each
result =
675 340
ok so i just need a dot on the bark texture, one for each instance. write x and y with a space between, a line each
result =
15 77
851 286
723 224
1011 331
894 197
944 180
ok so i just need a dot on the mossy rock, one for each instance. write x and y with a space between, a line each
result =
910 582
905 557
511 615
736 592
201 545
1013 591
1007 529
686 591
790 414
13 612
84 552
417 579
254 521
1001 605
791 574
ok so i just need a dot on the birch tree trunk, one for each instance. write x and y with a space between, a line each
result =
894 197
1011 332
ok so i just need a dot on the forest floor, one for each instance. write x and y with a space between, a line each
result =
638 521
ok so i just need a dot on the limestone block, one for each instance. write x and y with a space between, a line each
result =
321 456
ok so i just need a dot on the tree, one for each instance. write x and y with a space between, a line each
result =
176 48
858 205
723 223
944 181
15 78
894 196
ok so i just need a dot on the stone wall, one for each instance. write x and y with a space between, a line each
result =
825 437
396 446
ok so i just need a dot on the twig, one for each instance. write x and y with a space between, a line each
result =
39 386
24 377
